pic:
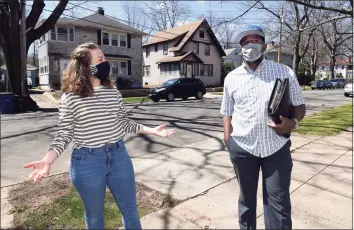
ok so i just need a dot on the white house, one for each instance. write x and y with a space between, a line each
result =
190 50
344 67
234 56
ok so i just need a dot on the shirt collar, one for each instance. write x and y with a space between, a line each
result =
246 66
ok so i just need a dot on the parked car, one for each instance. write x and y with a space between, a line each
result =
178 88
338 83
328 84
319 84
348 89
29 82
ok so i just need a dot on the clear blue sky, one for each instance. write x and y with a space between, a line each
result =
222 10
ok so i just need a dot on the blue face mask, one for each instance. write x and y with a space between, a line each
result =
101 71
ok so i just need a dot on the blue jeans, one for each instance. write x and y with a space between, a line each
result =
92 169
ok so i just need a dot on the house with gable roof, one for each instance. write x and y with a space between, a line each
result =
190 50
121 45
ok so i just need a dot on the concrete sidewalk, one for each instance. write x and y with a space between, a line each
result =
202 176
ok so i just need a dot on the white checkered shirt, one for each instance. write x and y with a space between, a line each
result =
246 97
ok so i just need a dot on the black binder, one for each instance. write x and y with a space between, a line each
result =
279 103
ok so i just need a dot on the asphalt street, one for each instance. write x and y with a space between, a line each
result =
26 137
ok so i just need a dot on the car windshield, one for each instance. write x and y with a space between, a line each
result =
321 81
168 83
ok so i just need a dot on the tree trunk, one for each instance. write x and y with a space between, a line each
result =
332 62
297 59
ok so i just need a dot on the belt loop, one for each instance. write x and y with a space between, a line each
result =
119 144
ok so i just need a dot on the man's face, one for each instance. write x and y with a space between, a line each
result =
253 39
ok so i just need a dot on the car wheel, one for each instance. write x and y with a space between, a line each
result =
184 98
170 97
199 95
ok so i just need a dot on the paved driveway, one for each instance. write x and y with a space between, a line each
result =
26 137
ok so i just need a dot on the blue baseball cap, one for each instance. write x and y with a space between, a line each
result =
251 29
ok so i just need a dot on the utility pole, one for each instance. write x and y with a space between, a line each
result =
280 32
23 47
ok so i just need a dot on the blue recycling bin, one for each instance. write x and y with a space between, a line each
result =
7 105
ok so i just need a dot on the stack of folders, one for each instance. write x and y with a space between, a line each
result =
279 103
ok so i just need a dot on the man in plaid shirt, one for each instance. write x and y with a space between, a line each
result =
253 140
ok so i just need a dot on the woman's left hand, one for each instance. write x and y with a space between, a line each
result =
161 131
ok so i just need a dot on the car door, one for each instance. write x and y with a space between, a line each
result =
177 88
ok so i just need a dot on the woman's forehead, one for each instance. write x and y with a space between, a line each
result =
97 53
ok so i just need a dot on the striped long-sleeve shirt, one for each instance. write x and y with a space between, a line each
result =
92 121
246 98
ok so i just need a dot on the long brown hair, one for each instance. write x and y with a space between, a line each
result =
76 76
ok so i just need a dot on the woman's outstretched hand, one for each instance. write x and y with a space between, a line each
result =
158 131
162 132
40 169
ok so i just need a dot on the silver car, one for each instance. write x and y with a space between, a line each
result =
348 89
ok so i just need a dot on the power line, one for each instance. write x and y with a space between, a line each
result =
164 39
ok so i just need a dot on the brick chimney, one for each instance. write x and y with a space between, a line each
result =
100 10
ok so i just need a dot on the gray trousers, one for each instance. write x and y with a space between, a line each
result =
276 171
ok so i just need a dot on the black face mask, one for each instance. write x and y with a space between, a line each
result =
101 71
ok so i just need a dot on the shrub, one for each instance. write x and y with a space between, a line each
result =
123 83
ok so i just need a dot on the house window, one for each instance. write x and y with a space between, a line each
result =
206 70
123 40
56 64
62 34
43 65
146 70
342 66
196 47
175 68
322 67
196 69
207 49
156 47
162 69
110 39
183 68
29 74
148 51
114 67
123 68
201 33
114 40
119 67
71 34
105 38
53 34
43 39
165 48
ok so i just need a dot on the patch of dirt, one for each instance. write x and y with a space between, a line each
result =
56 94
28 196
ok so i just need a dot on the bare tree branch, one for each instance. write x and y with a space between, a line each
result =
341 11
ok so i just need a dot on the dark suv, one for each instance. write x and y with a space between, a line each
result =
178 88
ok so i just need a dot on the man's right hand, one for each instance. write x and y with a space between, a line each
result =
226 138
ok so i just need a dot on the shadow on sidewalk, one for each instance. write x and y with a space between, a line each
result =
48 110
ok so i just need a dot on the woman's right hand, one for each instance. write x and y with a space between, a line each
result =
40 169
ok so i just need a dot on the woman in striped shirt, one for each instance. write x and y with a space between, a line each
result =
92 115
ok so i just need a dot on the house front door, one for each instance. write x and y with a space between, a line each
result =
63 64
189 70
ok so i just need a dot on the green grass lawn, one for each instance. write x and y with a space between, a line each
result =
328 122
136 99
67 213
